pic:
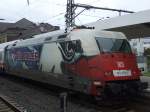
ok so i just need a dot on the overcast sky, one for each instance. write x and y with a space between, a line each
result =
52 11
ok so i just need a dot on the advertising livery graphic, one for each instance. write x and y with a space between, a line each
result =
25 57
71 50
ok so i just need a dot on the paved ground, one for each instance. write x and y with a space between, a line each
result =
146 79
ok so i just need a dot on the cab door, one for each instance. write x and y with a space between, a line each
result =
71 52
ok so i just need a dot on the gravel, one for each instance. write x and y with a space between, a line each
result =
34 98
38 99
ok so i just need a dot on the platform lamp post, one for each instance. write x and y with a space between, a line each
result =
63 102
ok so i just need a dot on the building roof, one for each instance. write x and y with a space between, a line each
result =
24 23
4 25
134 25
24 29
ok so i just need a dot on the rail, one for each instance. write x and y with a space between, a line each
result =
8 105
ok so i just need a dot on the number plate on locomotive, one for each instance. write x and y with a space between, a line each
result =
122 73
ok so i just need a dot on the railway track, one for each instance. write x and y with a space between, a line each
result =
110 106
8 105
139 104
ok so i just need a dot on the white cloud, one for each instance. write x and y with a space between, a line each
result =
53 11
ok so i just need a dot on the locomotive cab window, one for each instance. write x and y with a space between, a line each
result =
113 45
62 36
78 47
1 56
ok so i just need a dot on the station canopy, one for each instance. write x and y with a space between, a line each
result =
135 25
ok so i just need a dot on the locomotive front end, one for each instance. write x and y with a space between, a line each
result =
114 69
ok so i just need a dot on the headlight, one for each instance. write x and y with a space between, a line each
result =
97 83
108 74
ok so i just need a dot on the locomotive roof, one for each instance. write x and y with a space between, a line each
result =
73 35
96 33
37 39
3 45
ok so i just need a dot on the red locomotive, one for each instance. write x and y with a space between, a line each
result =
86 60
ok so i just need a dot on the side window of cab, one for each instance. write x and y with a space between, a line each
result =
78 46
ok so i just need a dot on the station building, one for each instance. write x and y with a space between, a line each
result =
23 29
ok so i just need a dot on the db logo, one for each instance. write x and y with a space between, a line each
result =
120 64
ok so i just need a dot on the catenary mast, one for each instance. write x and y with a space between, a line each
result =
71 15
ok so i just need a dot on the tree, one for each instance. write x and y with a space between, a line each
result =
147 52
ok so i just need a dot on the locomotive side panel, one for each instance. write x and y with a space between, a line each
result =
50 59
51 62
59 59
28 62
50 65
24 58
1 60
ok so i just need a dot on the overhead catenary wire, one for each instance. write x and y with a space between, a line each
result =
52 17
79 20
55 17
71 15
90 15
28 2
62 13
93 2
101 8
86 7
